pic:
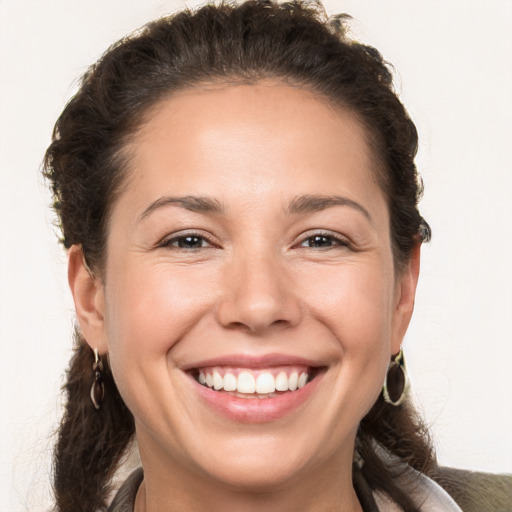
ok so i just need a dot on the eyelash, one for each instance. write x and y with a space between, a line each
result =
338 240
174 241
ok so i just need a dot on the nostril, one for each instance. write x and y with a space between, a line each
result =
256 328
257 324
257 301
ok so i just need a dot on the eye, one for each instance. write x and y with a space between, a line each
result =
323 241
189 241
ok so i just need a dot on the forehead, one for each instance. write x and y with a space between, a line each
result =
250 141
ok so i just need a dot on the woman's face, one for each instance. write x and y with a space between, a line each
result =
250 246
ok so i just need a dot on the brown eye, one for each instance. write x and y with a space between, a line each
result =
187 242
190 242
322 241
319 241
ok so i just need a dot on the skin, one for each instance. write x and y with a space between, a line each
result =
256 285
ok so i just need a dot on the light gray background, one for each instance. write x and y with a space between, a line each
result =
454 60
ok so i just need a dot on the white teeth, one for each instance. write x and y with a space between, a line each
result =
282 382
218 381
302 380
246 383
292 381
229 382
265 383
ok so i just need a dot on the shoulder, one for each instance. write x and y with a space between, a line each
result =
475 491
453 490
425 493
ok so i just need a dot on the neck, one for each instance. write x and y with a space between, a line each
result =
244 502
323 490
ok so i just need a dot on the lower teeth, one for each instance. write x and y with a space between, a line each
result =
248 395
254 395
251 395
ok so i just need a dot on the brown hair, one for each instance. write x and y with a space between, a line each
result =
293 42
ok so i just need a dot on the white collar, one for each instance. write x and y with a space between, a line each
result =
428 497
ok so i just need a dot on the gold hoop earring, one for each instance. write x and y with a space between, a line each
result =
97 388
396 384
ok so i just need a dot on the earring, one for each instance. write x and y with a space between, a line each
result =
97 388
358 459
396 383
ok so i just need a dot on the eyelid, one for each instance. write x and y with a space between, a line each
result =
173 237
167 241
342 240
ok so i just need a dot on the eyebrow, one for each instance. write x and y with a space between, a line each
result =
316 203
192 203
300 204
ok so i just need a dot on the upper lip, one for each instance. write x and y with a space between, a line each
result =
253 361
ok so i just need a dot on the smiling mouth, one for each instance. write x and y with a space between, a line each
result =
250 383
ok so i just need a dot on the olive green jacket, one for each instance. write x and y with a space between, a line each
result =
477 492
469 492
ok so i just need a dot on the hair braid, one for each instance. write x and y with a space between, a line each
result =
91 442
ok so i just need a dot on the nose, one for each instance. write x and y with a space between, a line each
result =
258 295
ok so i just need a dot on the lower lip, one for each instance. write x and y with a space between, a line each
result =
256 410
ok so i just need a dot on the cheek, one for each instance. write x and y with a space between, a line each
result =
149 310
357 309
356 303
145 299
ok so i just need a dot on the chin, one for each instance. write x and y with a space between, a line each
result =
257 474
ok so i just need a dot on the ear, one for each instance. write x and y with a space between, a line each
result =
88 294
405 293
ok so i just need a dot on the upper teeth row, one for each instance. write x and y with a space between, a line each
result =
246 383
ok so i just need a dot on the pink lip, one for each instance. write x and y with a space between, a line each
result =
254 410
251 361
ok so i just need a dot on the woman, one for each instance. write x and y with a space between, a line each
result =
237 191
